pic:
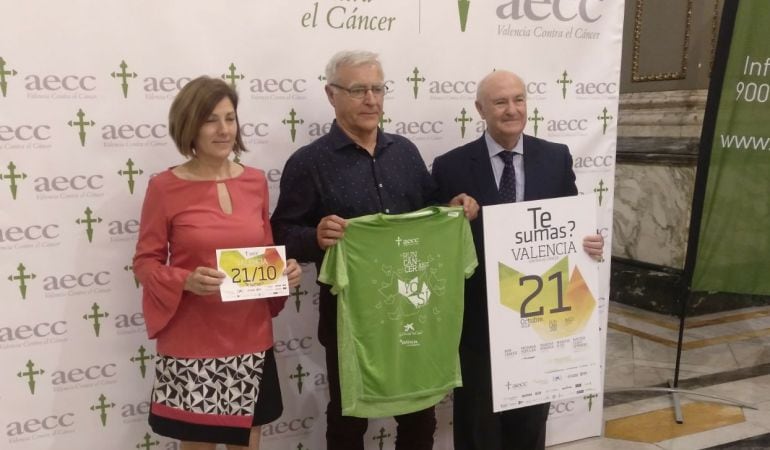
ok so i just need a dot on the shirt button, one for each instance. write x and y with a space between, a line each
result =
379 185
387 210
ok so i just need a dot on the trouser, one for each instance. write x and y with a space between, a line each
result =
476 427
414 431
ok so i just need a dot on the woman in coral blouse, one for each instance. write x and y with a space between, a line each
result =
215 373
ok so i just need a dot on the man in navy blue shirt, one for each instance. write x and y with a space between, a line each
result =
354 170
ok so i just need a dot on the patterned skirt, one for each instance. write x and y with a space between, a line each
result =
214 399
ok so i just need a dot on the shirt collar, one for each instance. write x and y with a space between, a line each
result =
494 148
340 140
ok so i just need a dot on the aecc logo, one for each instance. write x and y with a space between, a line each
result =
300 425
292 345
57 83
596 161
25 133
39 330
559 408
538 10
29 233
425 127
34 425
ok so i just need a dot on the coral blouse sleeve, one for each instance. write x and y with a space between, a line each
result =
276 303
163 285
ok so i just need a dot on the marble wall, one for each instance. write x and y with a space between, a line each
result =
658 135
652 211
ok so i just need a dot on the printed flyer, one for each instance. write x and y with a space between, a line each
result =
253 272
541 293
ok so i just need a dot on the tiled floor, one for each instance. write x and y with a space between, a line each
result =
725 355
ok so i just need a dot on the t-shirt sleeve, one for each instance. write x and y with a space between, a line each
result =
333 269
162 284
470 261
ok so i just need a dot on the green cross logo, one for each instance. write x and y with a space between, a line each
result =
462 6
416 80
130 268
605 119
124 76
81 124
296 293
299 376
232 76
600 190
143 356
30 375
381 437
383 121
146 442
564 81
3 73
292 122
102 408
22 278
462 120
535 118
12 176
130 172
96 316
88 221
590 400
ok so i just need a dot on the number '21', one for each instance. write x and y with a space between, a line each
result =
539 280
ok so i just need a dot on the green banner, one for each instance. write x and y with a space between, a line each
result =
734 245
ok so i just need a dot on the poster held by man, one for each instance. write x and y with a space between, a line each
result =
543 314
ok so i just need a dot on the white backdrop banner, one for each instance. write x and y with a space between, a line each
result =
85 89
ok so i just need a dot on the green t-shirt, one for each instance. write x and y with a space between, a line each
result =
399 281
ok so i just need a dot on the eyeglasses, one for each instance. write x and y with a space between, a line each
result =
359 92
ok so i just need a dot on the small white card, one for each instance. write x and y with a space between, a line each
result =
253 272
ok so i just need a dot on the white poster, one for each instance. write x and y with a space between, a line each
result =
542 302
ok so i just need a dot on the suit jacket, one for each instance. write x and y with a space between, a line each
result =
547 174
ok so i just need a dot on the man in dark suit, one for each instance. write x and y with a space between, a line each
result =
502 166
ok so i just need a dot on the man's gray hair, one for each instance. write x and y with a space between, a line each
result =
349 58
